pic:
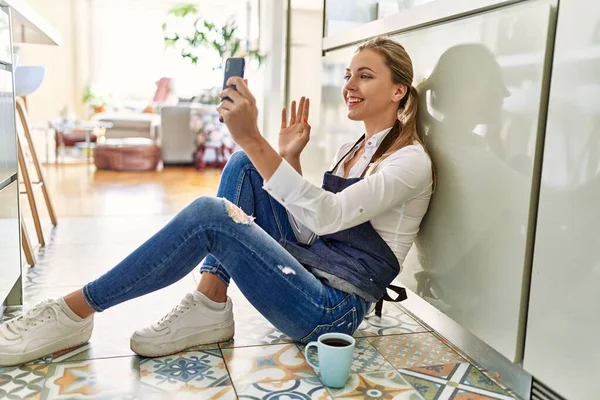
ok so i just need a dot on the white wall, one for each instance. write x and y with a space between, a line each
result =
305 76
61 87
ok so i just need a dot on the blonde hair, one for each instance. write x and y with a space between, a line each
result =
400 64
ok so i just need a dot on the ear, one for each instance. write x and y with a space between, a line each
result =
400 92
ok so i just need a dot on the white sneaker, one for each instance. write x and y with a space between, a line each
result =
43 330
189 324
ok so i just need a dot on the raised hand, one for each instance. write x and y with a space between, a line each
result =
294 136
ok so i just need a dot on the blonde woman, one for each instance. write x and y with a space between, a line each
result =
310 259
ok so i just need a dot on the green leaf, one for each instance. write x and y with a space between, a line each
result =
184 10
235 47
210 26
171 41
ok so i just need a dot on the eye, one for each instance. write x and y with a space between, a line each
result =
346 77
363 76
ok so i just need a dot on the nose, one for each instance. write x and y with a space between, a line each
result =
350 85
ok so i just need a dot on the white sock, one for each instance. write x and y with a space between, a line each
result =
68 311
201 297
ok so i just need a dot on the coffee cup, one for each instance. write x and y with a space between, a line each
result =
335 352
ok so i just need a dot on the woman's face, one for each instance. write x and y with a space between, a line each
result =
369 91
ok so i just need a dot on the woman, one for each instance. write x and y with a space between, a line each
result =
261 229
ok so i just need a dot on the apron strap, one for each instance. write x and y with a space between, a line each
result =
385 144
400 291
346 155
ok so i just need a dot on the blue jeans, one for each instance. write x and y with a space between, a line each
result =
279 287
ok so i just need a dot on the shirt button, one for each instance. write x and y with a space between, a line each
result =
270 190
369 143
365 157
283 200
360 210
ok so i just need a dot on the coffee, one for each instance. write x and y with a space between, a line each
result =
336 342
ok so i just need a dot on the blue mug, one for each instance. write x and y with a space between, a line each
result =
335 352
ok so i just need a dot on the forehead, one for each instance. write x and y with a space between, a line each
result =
367 58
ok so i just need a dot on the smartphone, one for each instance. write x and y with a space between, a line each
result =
234 66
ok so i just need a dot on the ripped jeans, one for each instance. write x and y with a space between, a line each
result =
240 247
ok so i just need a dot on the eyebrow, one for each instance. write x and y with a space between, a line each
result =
360 69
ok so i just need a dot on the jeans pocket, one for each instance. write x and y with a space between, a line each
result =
347 323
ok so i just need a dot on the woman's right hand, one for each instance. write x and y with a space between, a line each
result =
294 137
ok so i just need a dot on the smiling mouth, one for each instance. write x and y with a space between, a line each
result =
354 101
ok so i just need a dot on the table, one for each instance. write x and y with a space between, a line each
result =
83 129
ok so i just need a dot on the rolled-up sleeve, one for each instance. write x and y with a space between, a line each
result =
401 177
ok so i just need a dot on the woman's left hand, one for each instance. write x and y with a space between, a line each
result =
239 114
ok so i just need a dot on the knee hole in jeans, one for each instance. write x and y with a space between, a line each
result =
237 214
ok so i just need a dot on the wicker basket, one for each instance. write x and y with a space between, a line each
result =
129 154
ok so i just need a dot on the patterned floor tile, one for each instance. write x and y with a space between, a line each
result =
260 333
26 381
385 385
266 364
414 350
200 373
252 329
457 381
105 378
366 358
393 321
310 388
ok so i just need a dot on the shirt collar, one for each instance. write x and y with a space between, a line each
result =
376 139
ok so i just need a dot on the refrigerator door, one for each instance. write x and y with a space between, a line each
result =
483 84
563 322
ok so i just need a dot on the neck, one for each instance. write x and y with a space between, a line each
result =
377 124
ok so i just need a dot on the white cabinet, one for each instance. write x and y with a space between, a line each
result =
8 146
10 252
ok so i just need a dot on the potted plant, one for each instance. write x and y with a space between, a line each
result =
96 101
203 34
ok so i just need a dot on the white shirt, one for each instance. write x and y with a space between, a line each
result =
394 198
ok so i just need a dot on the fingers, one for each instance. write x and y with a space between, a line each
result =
283 118
233 94
293 117
300 110
242 86
306 109
306 127
299 116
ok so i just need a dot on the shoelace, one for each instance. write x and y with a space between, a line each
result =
185 304
33 317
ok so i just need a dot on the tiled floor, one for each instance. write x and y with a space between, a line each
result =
395 356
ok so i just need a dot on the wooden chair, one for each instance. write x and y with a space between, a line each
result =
30 186
26 244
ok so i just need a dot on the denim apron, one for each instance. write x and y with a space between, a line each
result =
356 255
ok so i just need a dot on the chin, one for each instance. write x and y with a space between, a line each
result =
353 116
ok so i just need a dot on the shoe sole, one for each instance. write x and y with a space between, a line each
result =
8 360
152 349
